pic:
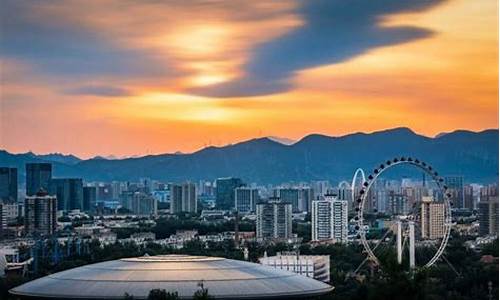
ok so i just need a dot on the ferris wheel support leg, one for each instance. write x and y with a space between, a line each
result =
398 242
412 244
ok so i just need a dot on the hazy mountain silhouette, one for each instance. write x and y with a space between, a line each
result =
315 157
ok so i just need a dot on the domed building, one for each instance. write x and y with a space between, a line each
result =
224 279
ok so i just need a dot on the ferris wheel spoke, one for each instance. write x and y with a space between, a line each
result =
442 255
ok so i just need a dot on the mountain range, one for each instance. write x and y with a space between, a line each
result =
315 157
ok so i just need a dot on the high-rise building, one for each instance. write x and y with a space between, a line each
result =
175 198
469 202
455 186
38 176
398 204
290 195
329 219
8 213
3 219
8 185
183 198
321 187
189 197
381 199
274 220
40 214
69 192
306 196
245 199
344 192
432 215
89 198
139 203
488 210
224 197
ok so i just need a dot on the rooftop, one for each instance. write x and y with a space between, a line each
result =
224 279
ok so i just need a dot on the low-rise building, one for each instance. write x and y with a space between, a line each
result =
313 266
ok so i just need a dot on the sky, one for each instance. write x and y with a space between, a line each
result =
130 77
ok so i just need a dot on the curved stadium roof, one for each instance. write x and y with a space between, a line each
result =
224 279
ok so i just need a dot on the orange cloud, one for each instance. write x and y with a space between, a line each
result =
445 81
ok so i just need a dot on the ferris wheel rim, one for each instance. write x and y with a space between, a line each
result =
372 177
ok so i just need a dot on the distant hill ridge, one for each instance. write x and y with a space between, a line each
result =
315 157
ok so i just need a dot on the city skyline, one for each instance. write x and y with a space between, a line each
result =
146 78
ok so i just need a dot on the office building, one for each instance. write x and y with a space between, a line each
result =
89 198
274 220
313 266
40 214
455 186
432 217
8 185
183 198
488 210
245 199
224 196
69 192
38 176
329 219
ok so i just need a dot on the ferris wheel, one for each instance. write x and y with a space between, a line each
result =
426 223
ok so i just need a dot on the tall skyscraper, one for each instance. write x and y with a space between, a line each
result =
40 214
69 192
330 219
8 185
246 199
274 220
488 210
455 186
224 197
432 215
183 198
38 176
89 198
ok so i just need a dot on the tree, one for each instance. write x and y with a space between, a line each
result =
127 296
160 294
202 294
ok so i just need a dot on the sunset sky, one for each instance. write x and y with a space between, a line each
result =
130 77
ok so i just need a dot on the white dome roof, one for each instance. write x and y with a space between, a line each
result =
224 279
